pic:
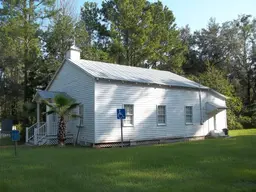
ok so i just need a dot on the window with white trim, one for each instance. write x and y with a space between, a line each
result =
81 114
128 121
161 115
189 114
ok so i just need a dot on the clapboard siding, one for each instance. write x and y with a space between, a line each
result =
221 117
110 95
80 86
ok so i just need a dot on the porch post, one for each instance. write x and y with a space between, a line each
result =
47 117
26 134
215 123
38 122
38 114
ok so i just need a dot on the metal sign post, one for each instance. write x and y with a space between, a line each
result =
122 139
120 113
15 148
15 134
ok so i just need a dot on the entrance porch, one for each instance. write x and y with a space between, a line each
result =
45 133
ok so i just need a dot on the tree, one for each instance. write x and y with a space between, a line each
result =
219 83
63 107
212 44
143 34
130 23
192 65
96 45
230 47
23 16
59 37
166 50
21 48
244 55
63 31
90 16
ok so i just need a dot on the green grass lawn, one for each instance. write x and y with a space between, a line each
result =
242 132
211 165
5 141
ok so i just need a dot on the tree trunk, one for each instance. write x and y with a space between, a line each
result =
62 131
248 88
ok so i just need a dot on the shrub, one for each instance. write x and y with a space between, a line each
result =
22 130
254 120
233 123
219 82
245 121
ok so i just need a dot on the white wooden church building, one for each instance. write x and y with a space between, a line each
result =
160 105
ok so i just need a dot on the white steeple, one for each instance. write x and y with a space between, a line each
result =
73 53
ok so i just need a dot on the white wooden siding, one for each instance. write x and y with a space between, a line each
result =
221 117
110 95
80 86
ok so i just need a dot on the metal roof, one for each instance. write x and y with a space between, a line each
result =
213 106
110 71
49 94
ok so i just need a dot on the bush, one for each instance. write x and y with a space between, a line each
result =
234 105
238 125
254 120
233 122
22 130
245 121
219 82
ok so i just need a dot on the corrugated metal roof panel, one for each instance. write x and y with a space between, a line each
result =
50 94
134 74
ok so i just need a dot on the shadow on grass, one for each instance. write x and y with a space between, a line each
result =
210 165
5 141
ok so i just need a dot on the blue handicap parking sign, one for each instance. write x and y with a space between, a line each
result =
120 113
15 134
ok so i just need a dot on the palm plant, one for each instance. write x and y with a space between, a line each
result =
63 107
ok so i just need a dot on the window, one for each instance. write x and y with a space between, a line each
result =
161 115
81 114
189 114
129 115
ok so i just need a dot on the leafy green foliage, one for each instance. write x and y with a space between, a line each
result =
135 33
60 36
230 47
216 80
62 106
244 61
227 163
90 16
35 35
246 121
20 46
251 115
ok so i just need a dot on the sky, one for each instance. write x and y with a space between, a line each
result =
196 13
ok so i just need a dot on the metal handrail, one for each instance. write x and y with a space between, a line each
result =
42 129
41 132
30 131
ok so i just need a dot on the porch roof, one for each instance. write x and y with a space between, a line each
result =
212 108
42 94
